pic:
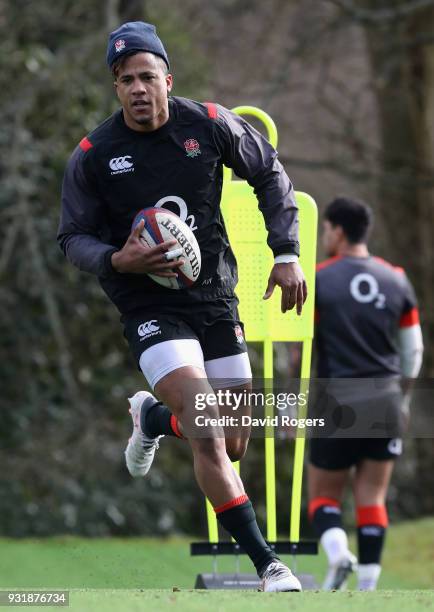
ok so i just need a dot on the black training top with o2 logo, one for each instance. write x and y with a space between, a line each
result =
117 171
360 304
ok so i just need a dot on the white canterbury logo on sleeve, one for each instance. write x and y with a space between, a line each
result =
121 164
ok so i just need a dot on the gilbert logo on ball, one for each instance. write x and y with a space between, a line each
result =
192 147
119 45
162 225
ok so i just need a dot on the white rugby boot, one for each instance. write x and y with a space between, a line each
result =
338 573
140 450
278 578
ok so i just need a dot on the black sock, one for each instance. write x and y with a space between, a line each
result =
325 514
240 522
370 540
371 532
158 421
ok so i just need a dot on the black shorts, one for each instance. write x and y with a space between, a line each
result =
343 453
216 326
358 428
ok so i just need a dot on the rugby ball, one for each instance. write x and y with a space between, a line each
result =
162 225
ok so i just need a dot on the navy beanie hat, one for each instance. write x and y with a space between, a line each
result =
134 36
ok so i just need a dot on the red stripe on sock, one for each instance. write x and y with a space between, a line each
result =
317 502
242 499
372 515
175 427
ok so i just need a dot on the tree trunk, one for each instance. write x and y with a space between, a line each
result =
402 65
132 10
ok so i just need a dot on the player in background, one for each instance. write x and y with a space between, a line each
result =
166 151
367 326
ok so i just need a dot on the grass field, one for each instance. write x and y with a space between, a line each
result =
147 574
243 601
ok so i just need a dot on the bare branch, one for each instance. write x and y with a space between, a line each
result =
111 15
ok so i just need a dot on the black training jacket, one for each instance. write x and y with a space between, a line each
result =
116 171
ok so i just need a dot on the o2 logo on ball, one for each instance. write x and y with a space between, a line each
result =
373 290
183 210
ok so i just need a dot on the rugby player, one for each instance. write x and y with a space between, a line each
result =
164 151
367 327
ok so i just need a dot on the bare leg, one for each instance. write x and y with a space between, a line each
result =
326 483
237 437
215 474
213 469
371 482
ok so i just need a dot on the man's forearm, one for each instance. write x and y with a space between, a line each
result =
88 253
277 204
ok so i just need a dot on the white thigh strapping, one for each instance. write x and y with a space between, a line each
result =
227 372
165 357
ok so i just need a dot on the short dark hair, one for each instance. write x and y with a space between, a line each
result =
353 216
117 65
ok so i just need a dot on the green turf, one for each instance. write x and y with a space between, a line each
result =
124 574
136 563
244 601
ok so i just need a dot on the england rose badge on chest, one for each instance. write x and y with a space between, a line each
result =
192 147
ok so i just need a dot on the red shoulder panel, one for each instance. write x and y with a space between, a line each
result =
85 144
328 262
385 263
212 110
